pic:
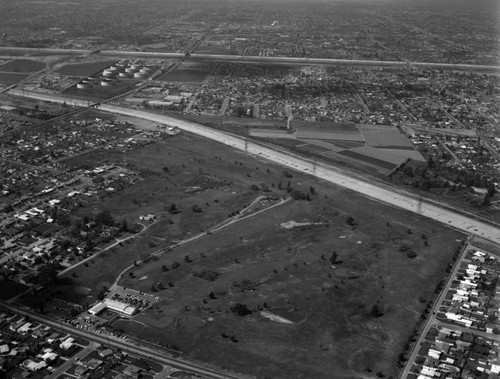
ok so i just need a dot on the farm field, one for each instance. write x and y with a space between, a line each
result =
365 156
84 69
298 315
325 134
22 65
11 77
380 147
385 136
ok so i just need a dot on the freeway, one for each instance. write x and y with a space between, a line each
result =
264 60
398 198
142 351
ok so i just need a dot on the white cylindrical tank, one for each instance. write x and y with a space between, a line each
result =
82 85
124 75
106 82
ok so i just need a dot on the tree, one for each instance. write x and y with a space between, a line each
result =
486 200
408 171
351 221
8 208
104 218
298 195
124 226
333 258
491 189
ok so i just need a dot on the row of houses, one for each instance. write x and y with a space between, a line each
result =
469 303
451 354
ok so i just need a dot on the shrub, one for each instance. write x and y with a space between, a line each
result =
298 195
241 309
196 208
376 312
207 274
411 254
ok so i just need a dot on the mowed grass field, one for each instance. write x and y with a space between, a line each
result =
258 262
265 266
183 170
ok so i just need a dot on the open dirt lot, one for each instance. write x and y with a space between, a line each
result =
189 76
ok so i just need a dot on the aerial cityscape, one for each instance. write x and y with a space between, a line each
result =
249 189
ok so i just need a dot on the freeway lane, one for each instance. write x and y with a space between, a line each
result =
377 191
265 60
142 351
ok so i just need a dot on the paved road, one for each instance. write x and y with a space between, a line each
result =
432 318
142 351
375 190
71 361
433 321
304 61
